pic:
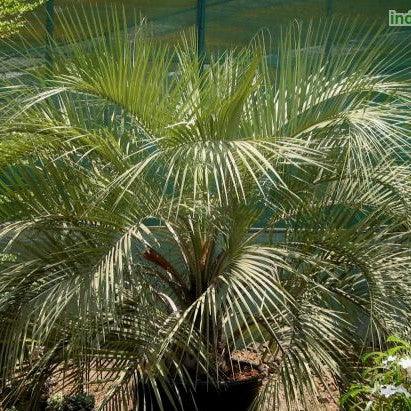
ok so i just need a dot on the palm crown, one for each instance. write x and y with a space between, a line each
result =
159 213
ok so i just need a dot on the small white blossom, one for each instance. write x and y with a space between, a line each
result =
389 359
388 390
406 364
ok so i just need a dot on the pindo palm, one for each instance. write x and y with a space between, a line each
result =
161 215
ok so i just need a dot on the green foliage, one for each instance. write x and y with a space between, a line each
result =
77 402
141 194
12 14
386 380
55 402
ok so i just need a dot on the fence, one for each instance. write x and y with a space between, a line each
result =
220 24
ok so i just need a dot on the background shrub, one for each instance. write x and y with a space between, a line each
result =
385 383
77 402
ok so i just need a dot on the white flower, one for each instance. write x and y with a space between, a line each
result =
388 390
389 359
406 364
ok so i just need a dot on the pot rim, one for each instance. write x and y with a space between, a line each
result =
201 383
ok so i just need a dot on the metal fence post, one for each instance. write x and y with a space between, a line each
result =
49 31
329 13
201 13
329 7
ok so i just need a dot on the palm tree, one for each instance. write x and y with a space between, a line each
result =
157 216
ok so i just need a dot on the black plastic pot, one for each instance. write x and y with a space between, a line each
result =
235 395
